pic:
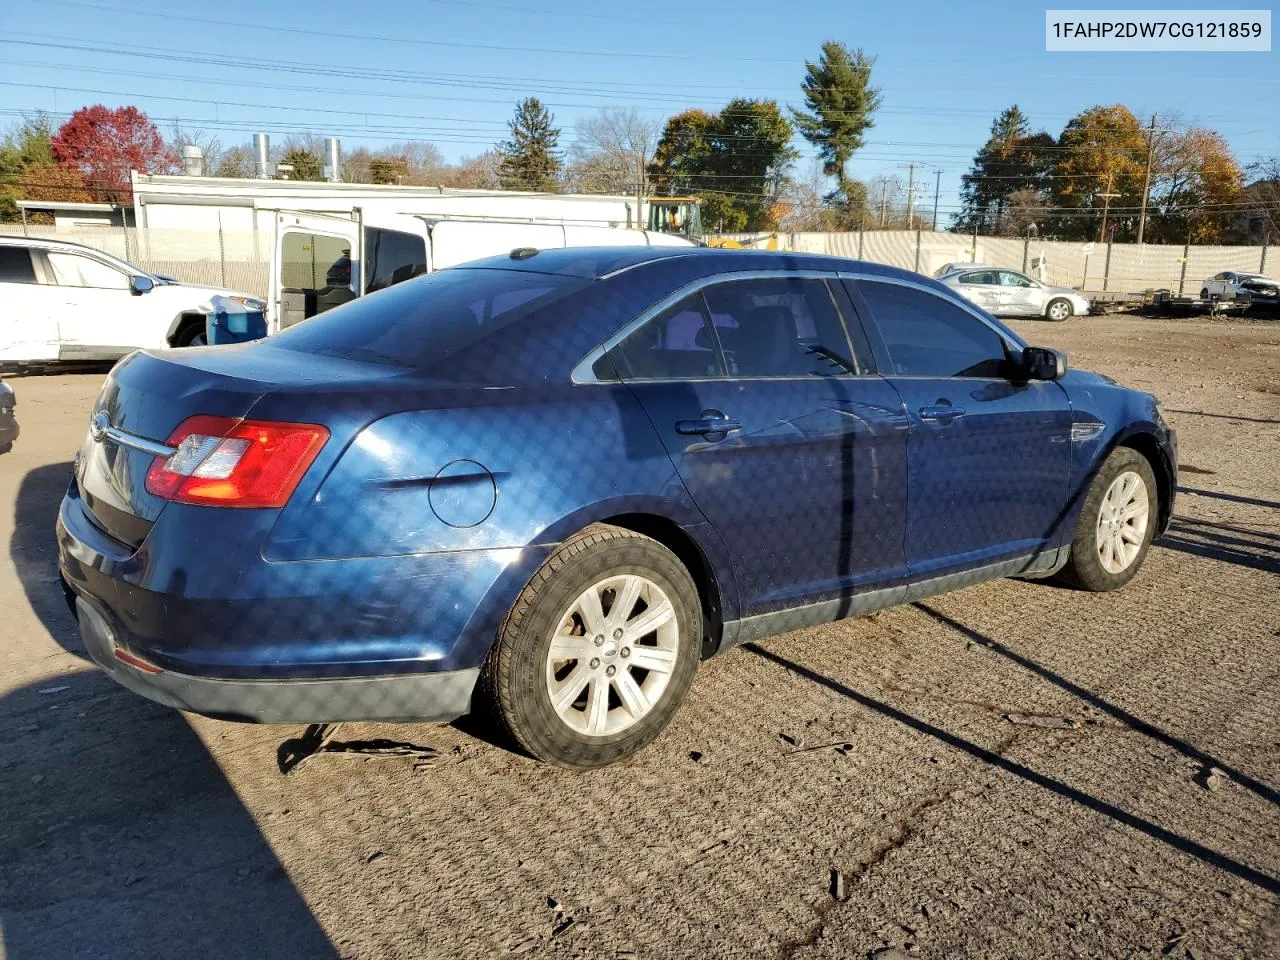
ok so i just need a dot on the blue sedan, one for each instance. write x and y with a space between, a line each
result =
549 484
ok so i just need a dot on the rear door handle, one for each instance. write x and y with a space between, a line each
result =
942 413
711 422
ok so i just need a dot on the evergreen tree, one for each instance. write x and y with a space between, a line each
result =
840 101
1013 160
530 160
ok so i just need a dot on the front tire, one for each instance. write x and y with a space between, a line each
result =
1116 525
599 650
1058 310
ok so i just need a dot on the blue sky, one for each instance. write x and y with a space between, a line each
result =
449 71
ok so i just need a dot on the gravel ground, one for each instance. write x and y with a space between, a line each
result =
1031 771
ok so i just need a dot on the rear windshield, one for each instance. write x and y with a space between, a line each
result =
429 319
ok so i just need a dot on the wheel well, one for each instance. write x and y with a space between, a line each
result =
185 322
670 535
1149 447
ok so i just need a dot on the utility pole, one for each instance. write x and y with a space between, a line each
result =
884 200
1106 208
911 195
1146 181
937 186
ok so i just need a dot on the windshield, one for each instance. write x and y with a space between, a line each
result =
427 320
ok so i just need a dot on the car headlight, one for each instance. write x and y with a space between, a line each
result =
250 303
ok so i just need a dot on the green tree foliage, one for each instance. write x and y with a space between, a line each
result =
734 161
530 160
840 102
26 159
1013 160
306 164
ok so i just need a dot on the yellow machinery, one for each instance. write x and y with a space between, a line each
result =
683 215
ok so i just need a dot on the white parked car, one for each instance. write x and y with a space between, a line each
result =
1007 293
1232 283
66 301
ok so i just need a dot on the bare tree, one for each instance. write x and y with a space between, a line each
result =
210 144
424 163
1261 219
478 172
612 152
802 202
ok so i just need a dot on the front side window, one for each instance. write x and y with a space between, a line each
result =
677 344
73 270
783 327
392 257
1010 279
928 336
15 265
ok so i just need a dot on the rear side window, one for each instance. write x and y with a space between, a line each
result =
677 344
784 327
431 318
392 257
927 336
15 265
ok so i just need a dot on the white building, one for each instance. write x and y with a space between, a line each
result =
168 202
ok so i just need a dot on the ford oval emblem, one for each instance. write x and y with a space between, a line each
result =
98 425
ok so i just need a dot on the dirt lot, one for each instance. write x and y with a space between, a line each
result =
1033 772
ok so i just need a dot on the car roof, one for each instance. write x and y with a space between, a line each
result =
598 263
16 240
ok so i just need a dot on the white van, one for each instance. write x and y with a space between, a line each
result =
321 261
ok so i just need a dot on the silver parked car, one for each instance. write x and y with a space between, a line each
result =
1007 293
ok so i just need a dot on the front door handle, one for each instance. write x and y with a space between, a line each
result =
941 413
711 422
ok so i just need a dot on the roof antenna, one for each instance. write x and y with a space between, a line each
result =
523 253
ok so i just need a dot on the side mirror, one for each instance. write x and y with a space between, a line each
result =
140 284
1044 363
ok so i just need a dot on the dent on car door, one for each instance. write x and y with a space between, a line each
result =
28 328
989 455
796 460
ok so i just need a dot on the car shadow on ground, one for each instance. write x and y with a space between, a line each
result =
34 551
121 837
1242 546
1230 497
1149 828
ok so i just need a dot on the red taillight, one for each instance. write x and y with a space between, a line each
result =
225 462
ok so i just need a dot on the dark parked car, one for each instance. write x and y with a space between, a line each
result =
8 419
552 483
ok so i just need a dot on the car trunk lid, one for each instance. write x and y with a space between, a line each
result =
146 397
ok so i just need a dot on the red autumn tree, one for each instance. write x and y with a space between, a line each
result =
103 145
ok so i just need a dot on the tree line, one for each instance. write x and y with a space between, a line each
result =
1106 175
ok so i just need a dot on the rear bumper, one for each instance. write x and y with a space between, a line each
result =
423 697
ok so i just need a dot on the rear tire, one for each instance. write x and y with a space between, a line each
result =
1116 525
1204 293
598 651
1058 310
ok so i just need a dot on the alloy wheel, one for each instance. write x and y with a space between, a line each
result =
612 655
1122 522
